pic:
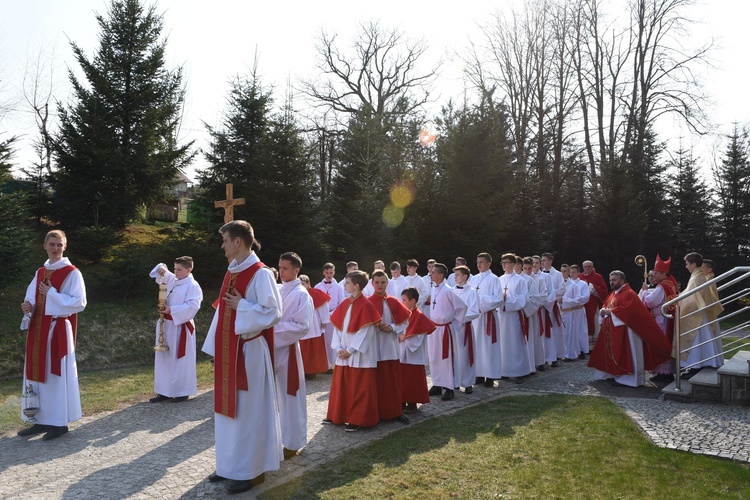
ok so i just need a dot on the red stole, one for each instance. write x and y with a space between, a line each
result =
186 328
363 314
419 324
399 312
36 339
229 367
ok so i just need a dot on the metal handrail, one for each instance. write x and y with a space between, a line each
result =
676 302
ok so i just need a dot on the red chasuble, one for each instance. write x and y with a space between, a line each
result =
611 352
594 303
363 314
419 324
399 312
229 363
36 339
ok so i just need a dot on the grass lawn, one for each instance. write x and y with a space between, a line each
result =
101 390
522 447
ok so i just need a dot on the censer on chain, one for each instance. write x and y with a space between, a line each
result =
160 346
30 403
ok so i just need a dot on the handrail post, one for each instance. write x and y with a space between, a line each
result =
676 336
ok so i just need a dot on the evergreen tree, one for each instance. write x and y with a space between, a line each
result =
117 147
732 179
15 235
691 210
264 156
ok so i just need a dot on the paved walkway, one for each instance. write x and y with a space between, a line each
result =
166 450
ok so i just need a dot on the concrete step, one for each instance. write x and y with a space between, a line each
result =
738 366
685 394
708 377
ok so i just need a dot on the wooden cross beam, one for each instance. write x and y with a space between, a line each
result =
229 204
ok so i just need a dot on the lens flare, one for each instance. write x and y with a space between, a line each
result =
393 216
401 196
427 136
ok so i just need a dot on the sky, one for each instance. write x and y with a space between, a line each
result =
217 40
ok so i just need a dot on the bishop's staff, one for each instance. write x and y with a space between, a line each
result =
640 260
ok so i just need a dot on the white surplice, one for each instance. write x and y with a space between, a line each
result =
447 309
534 301
250 444
294 325
336 292
486 352
555 290
467 370
417 282
576 328
514 357
59 397
175 377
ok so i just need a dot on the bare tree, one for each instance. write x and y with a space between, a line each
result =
378 73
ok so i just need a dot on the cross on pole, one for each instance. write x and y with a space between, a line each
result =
229 204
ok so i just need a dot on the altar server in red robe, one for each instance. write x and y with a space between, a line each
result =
413 353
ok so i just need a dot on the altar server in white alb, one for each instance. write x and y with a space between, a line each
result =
486 344
531 327
53 299
465 334
447 311
415 281
297 314
336 292
514 358
535 301
554 338
174 370
397 283
574 302
246 416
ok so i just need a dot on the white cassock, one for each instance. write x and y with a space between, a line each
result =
534 346
465 336
451 280
250 444
59 397
423 289
487 352
296 318
396 286
711 349
514 358
555 290
426 301
574 317
447 311
542 281
336 292
175 377
638 377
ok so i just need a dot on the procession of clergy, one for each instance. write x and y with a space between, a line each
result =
377 334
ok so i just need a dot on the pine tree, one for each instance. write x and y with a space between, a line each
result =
117 147
15 235
263 154
732 179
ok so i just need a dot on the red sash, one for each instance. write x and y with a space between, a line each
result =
524 325
492 326
469 339
182 343
229 367
36 339
292 374
447 336
541 321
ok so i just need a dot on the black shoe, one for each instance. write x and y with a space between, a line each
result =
489 382
517 380
690 374
435 391
662 377
554 364
310 377
479 380
468 390
34 429
411 408
215 478
351 428
448 395
540 368
239 486
158 399
403 419
568 360
327 421
180 399
55 432
582 356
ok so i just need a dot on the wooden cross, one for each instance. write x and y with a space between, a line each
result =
229 204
